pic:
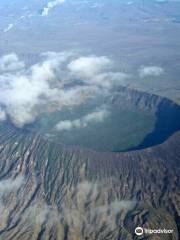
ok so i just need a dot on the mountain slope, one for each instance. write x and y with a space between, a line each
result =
61 193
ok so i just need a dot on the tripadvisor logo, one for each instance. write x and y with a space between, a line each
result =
139 231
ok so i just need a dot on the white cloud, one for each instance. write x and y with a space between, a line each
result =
87 207
2 115
6 186
11 62
21 92
94 117
27 92
50 6
10 185
97 116
109 79
146 71
96 71
9 27
40 212
115 207
86 67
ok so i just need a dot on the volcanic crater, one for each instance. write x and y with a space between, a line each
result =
73 192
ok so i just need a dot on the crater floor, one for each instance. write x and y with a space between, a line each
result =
106 129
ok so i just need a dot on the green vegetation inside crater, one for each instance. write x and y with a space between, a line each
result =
121 129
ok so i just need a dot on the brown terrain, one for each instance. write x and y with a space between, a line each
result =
50 191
